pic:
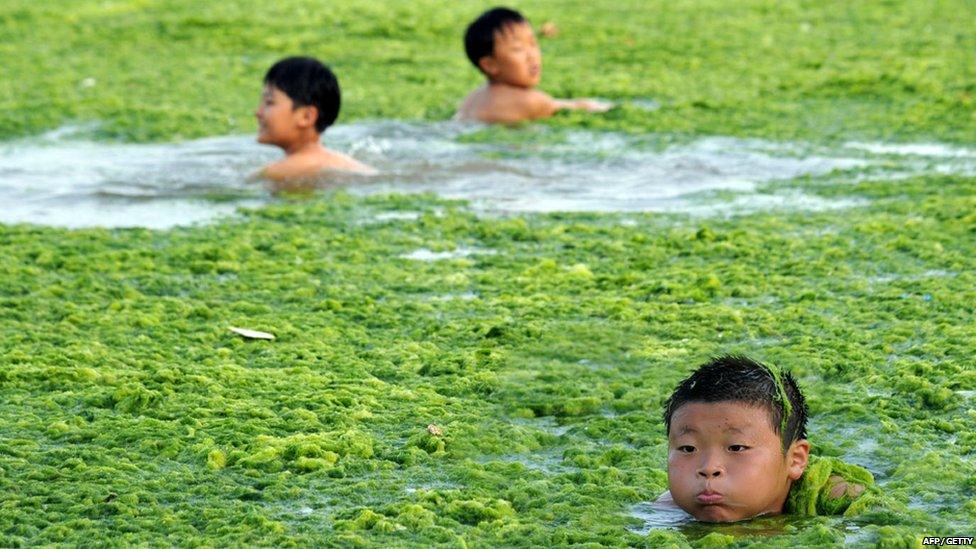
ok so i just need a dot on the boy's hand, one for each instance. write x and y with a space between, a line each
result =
840 487
588 105
594 105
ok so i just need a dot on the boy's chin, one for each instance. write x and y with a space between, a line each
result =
527 82
716 513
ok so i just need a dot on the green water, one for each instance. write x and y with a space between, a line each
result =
130 414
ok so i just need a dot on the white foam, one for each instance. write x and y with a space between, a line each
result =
423 254
895 277
584 171
466 296
91 212
914 149
57 180
397 216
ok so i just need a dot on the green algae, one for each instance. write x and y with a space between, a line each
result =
131 413
812 493
784 400
892 70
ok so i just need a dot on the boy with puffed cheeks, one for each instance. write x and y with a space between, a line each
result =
737 442
300 100
502 45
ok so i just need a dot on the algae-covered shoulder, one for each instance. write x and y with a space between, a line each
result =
829 486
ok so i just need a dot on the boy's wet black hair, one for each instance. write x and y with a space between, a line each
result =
308 83
479 39
734 378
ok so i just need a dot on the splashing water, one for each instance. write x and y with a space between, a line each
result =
54 180
60 179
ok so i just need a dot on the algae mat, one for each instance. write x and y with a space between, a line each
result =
540 348
150 70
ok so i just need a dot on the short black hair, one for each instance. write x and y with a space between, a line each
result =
308 83
735 378
479 39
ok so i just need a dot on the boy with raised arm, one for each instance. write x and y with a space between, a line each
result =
501 44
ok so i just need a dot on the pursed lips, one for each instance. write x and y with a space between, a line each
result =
709 497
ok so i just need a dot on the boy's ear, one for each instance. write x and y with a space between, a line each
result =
488 65
307 116
797 457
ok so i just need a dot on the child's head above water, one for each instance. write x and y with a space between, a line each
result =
736 440
502 45
299 101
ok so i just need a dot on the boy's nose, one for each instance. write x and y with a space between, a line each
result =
711 468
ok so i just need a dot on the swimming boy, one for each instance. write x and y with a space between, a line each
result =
299 101
737 447
502 45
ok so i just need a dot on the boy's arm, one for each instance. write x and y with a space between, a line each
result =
542 105
588 105
512 107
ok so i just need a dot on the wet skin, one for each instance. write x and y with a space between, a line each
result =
725 462
292 128
513 70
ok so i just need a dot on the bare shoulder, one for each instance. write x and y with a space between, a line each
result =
540 104
346 163
309 166
665 501
525 104
473 105
282 170
508 104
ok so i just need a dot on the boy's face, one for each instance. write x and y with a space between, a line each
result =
279 122
725 462
516 59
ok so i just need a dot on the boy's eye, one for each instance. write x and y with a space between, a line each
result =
686 449
738 448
